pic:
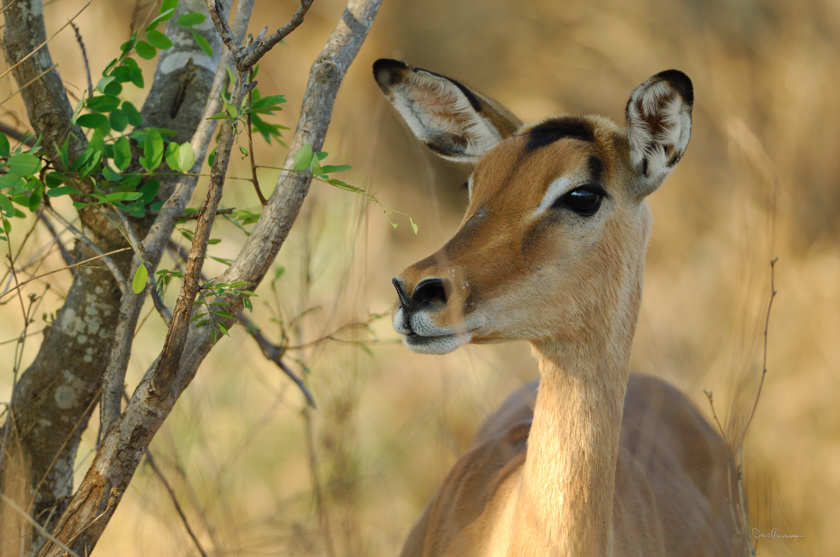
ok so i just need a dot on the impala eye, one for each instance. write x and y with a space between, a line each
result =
585 200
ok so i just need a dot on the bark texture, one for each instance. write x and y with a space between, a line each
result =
53 401
125 442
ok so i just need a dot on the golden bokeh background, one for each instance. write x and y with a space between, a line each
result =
255 474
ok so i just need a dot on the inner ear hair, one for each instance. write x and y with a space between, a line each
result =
659 126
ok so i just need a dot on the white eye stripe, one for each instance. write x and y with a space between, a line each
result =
470 186
556 189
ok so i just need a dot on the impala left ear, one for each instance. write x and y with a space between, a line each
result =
659 126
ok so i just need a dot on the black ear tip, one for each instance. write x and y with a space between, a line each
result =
387 72
680 82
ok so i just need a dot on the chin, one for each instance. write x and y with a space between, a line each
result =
436 344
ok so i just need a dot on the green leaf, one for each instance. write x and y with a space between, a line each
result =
171 156
190 19
335 168
134 116
113 89
149 190
229 108
135 74
63 190
203 44
129 44
186 157
119 120
302 158
153 151
122 196
167 5
102 103
63 153
92 120
158 39
104 82
165 14
24 164
122 153
92 155
5 148
145 50
55 179
268 131
131 180
267 105
36 197
12 181
109 174
138 283
315 167
121 74
136 209
6 205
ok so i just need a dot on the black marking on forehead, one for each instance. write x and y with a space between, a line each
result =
556 129
596 169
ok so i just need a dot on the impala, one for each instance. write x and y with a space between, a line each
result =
591 460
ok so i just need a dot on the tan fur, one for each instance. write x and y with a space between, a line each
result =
589 461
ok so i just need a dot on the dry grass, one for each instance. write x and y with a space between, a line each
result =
759 180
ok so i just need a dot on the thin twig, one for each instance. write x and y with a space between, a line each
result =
37 526
43 44
84 56
193 216
274 353
118 455
248 129
260 48
773 293
28 83
115 271
246 58
72 266
27 138
160 306
150 459
65 254
271 351
710 396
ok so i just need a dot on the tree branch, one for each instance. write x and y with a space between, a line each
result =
151 248
123 445
44 96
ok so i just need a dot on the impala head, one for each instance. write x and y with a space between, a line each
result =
553 241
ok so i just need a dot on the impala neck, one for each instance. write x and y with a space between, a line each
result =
569 475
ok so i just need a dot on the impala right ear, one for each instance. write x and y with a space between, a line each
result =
454 122
659 126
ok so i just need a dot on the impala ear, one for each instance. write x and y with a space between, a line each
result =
658 126
454 122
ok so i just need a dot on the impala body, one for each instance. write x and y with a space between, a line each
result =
590 460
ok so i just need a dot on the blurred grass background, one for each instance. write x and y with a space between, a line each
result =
256 474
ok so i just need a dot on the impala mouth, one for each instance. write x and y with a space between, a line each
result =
442 344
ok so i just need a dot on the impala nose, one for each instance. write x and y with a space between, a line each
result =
405 301
428 291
